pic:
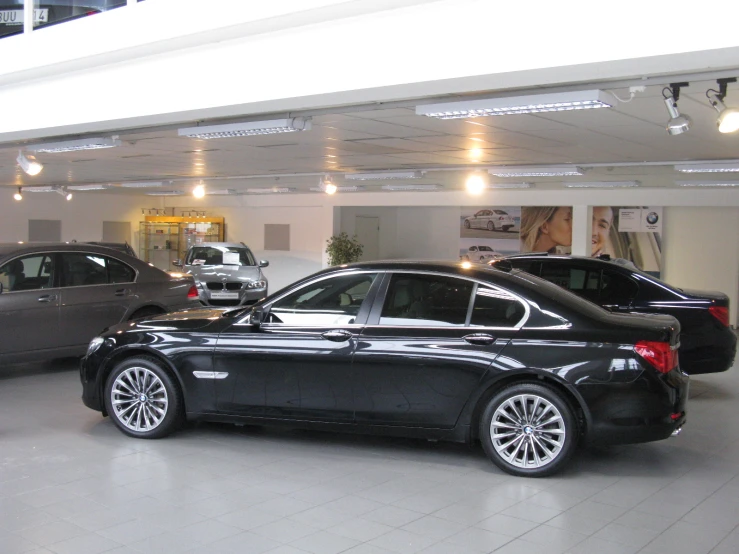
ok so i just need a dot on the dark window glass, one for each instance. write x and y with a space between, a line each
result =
28 273
51 12
528 266
332 301
496 308
426 300
118 272
617 289
580 280
80 269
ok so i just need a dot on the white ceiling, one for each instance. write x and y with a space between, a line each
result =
377 138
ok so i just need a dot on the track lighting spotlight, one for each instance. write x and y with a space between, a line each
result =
28 163
198 191
64 192
19 195
728 118
476 183
327 185
677 124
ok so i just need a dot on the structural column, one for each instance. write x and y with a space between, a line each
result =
582 224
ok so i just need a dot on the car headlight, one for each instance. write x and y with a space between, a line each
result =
256 284
94 345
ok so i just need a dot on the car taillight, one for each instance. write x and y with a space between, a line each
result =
501 218
193 292
659 354
721 313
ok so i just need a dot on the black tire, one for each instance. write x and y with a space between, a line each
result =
545 451
466 224
491 226
159 397
146 311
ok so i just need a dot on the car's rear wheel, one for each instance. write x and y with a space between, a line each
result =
528 430
491 226
142 399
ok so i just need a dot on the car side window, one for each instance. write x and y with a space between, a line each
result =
496 308
426 300
617 289
582 281
28 273
82 269
332 301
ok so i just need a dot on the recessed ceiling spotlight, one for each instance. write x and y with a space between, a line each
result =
476 184
534 103
536 171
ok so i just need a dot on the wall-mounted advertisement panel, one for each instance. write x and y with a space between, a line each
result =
630 232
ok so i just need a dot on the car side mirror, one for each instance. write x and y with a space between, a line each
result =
178 263
263 263
257 316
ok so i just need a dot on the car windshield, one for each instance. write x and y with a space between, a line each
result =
220 255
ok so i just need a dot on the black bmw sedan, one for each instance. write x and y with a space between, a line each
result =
707 343
451 351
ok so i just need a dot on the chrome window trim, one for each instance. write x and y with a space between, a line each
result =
318 280
521 323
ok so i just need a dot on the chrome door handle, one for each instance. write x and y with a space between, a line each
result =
47 298
338 335
481 339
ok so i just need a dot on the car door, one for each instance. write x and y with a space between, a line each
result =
429 340
96 292
477 219
29 305
297 363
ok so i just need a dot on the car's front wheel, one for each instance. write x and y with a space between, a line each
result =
466 224
142 399
528 430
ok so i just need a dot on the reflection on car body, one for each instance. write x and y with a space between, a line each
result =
428 349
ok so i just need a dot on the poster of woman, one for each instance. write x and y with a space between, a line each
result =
546 229
632 233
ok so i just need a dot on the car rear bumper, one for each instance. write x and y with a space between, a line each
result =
649 409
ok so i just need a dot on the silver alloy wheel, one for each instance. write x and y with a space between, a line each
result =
139 399
528 431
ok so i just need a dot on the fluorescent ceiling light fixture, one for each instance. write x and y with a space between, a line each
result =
400 187
222 192
247 129
74 145
603 184
382 175
534 103
707 183
535 171
343 188
708 168
42 188
165 193
89 187
29 164
510 185
271 190
141 184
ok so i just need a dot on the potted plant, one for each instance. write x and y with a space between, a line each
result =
342 249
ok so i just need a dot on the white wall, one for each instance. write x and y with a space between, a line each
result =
82 218
388 247
701 251
170 61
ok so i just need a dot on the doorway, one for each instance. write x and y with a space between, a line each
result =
368 235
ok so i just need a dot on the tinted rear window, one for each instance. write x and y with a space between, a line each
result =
558 294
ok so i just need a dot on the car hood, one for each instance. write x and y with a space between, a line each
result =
184 320
229 272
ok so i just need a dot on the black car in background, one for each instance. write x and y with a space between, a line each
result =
426 349
707 342
55 297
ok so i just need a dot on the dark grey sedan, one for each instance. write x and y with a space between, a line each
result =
54 297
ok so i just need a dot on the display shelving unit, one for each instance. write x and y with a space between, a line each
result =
164 239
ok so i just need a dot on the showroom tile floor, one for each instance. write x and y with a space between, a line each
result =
70 483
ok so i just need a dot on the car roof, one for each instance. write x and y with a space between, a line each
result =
443 266
228 244
547 256
14 248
